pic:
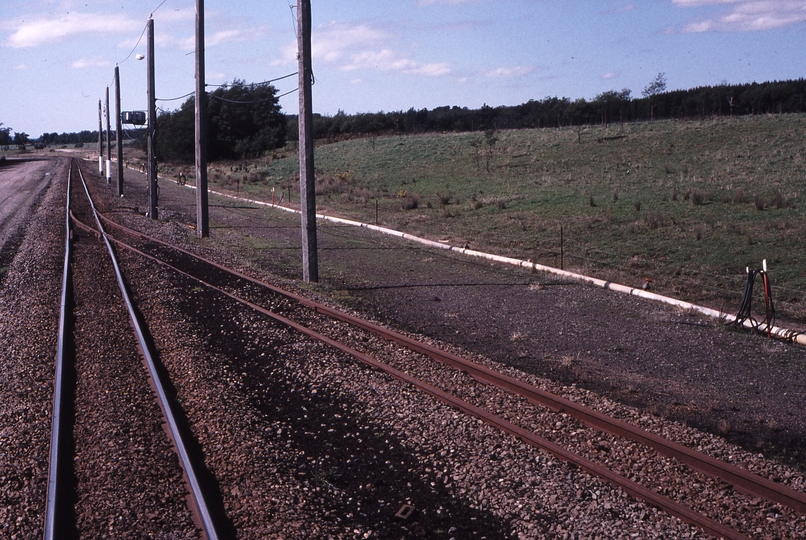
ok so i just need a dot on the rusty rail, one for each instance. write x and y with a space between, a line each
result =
197 495
741 478
54 506
589 416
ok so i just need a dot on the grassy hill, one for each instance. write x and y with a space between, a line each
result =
688 204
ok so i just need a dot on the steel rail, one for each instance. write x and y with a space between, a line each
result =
740 478
184 457
633 488
54 504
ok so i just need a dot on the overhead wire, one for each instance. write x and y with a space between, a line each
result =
255 84
293 18
219 98
145 27
176 98
287 93
156 8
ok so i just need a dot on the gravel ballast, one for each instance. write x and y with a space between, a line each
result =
303 442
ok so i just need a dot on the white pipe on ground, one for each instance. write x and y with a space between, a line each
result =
777 331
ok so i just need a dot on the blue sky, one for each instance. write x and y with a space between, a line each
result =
57 57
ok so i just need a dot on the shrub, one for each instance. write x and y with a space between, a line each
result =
444 198
778 200
411 202
653 220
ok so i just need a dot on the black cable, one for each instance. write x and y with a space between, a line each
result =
745 314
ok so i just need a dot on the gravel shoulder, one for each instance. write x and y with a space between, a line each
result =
29 317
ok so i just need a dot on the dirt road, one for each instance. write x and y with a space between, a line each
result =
22 183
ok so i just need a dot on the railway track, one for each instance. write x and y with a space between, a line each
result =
523 410
108 448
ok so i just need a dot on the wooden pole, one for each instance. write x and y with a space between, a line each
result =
108 141
100 139
152 124
307 179
118 132
202 209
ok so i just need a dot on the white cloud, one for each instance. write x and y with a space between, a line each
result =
216 38
431 70
505 72
389 60
97 62
42 31
224 36
360 47
609 75
332 42
746 15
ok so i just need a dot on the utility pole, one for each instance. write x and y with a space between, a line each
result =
118 131
108 141
307 179
152 123
100 140
202 211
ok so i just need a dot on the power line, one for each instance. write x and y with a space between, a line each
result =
142 33
156 8
289 92
177 98
293 19
219 98
255 84
136 44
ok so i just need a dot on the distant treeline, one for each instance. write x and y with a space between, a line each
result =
606 108
54 138
245 120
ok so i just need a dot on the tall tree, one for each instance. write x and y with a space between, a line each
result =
5 135
242 121
657 86
21 139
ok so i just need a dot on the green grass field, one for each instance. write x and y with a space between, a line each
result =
687 204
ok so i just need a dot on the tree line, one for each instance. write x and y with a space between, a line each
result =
86 136
19 138
615 106
245 120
